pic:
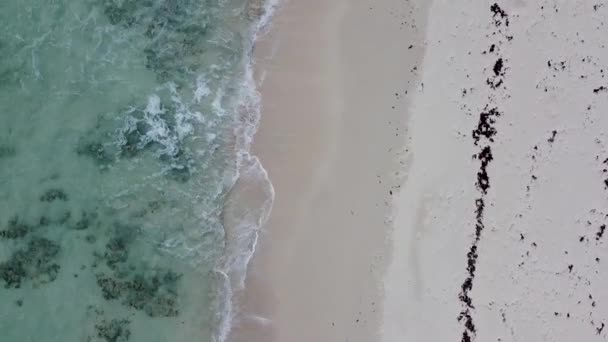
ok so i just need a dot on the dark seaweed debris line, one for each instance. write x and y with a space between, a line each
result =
485 126
485 130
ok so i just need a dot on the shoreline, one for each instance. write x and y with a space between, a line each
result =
317 274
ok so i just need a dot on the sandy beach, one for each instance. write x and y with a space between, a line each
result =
332 139
498 233
440 173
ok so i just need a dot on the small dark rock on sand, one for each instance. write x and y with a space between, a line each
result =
498 66
552 138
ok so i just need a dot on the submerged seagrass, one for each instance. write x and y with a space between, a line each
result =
114 164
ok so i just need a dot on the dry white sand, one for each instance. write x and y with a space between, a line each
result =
537 267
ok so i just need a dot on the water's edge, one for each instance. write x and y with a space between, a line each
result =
250 199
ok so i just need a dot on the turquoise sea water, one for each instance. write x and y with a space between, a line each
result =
117 150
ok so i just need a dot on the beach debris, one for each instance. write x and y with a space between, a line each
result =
483 180
498 11
499 15
498 67
485 126
483 136
552 137
600 233
556 66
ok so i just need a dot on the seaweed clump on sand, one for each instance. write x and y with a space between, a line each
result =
35 263
499 15
498 65
483 180
155 295
485 127
116 330
600 233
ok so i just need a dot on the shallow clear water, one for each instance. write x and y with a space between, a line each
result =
116 153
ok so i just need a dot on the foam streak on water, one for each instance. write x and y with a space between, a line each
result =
124 127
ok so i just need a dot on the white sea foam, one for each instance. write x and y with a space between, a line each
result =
159 131
183 116
153 105
218 109
202 88
248 215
